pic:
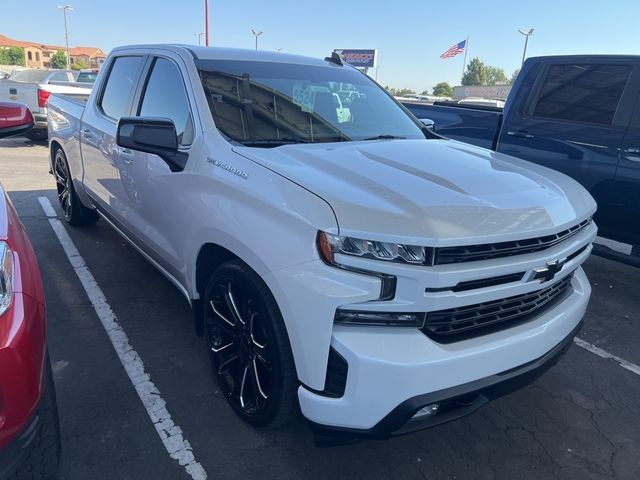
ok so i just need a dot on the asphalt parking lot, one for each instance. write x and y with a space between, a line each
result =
580 420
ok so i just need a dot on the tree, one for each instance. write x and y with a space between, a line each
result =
79 65
399 92
443 89
12 56
476 73
514 75
59 60
496 75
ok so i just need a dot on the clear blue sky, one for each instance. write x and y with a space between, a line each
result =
409 35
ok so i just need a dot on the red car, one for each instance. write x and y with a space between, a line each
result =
29 427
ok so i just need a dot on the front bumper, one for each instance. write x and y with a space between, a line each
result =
454 402
394 372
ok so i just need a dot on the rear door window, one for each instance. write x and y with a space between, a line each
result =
59 77
120 84
165 96
587 93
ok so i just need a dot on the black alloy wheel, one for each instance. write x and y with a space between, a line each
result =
63 184
75 213
248 346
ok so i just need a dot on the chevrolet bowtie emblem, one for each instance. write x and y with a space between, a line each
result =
547 272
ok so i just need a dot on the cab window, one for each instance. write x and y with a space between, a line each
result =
165 96
122 79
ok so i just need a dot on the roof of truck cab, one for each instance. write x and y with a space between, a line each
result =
219 53
587 56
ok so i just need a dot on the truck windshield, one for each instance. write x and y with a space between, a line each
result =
267 104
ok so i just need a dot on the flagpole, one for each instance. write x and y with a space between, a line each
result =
466 49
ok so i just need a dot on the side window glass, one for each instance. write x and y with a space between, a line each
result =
582 93
59 77
119 87
165 96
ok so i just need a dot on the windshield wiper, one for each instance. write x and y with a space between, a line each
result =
384 137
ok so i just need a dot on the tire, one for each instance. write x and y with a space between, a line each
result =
249 346
75 213
43 457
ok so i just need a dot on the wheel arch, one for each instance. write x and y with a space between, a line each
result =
54 146
210 256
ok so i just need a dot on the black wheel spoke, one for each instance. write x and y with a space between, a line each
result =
60 179
225 365
243 384
229 324
257 383
225 346
231 304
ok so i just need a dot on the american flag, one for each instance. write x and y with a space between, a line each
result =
456 49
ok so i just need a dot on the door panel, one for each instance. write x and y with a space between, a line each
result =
569 123
102 157
625 224
152 186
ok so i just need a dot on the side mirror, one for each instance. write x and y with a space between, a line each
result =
151 135
427 122
15 119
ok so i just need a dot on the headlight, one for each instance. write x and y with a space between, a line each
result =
329 245
390 319
6 271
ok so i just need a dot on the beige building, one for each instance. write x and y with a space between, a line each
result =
38 55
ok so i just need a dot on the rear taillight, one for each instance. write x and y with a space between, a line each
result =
43 96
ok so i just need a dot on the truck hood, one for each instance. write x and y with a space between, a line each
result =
430 192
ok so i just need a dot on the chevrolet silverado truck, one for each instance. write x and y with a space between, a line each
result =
359 266
577 114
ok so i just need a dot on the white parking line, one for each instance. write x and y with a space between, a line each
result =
632 367
171 434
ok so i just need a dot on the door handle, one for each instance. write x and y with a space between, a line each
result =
520 134
634 151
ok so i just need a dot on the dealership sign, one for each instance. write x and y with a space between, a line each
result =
361 58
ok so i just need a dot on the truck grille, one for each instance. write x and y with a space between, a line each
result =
455 324
486 251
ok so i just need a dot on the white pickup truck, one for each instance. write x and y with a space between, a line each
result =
33 87
380 277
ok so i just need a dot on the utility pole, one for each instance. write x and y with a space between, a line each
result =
206 23
257 34
526 41
66 8
199 35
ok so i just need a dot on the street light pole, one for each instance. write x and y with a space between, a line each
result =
257 34
66 8
526 34
199 35
206 22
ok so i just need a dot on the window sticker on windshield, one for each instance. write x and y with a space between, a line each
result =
304 97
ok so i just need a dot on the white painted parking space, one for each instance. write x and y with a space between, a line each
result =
632 367
171 434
